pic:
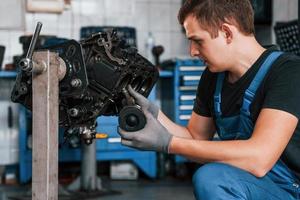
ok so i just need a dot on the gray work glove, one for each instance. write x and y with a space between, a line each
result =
144 102
153 137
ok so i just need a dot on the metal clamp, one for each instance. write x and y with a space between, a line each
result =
26 63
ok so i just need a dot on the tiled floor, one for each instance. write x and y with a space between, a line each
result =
143 189
156 190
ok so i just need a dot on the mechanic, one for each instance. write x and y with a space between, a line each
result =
247 94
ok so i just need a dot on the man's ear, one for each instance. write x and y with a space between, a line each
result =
226 30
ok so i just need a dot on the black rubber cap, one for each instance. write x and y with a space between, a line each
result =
131 118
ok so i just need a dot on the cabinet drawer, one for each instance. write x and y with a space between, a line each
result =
107 120
110 129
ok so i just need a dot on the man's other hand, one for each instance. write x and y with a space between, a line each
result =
144 102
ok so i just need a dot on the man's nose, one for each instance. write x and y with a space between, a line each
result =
194 51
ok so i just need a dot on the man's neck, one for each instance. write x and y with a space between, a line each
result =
246 54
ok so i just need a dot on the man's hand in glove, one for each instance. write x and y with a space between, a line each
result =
153 136
144 102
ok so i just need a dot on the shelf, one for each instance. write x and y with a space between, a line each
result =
192 68
186 107
12 74
187 97
188 88
8 74
165 73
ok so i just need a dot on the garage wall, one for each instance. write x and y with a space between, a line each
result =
286 10
157 16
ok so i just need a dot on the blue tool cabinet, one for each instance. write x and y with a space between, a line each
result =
187 73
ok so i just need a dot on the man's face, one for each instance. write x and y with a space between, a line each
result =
211 50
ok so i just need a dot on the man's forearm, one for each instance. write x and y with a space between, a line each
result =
239 153
173 128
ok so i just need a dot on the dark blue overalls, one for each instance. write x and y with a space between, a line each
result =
222 181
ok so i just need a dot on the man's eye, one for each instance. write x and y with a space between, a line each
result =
199 42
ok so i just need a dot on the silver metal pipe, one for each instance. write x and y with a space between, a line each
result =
34 40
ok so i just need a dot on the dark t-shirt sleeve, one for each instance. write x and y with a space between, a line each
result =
283 92
204 92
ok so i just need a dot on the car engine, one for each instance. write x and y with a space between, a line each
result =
98 72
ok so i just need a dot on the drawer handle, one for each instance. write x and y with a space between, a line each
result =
101 136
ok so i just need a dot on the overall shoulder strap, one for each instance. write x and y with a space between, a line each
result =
217 94
251 90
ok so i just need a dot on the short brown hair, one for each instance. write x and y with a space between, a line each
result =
212 13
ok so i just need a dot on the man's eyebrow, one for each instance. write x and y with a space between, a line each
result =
194 38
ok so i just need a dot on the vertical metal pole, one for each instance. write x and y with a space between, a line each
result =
45 127
89 168
88 181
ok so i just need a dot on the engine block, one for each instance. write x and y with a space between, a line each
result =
98 70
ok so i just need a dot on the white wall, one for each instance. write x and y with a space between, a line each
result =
284 10
157 16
